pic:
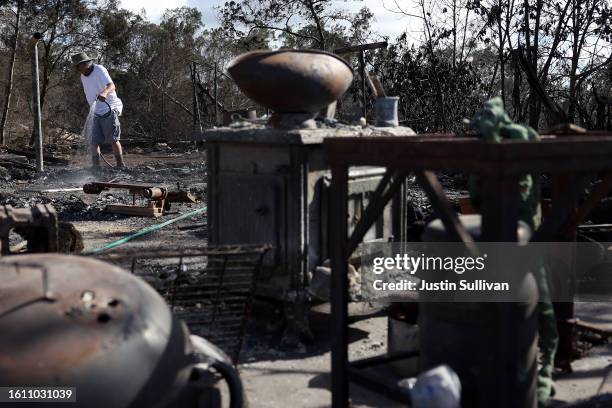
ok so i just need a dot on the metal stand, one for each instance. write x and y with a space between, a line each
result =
499 165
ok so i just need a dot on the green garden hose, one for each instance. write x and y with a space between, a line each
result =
144 231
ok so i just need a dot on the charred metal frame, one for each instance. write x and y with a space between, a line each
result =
41 216
159 198
500 165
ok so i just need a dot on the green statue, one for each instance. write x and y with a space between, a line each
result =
494 124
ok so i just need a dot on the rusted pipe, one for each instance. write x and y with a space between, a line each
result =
155 193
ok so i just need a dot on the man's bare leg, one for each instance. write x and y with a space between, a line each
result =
118 152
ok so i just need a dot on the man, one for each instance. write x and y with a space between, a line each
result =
99 88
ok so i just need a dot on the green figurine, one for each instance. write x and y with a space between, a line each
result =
493 124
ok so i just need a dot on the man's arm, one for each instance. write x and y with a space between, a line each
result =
110 87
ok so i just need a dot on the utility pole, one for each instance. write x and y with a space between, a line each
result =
36 103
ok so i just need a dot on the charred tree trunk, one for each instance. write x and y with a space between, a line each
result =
531 49
317 20
500 53
516 90
9 76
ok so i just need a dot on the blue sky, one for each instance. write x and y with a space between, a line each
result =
387 22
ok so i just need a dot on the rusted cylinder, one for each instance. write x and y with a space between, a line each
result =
155 193
465 335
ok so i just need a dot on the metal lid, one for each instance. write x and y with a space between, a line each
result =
79 322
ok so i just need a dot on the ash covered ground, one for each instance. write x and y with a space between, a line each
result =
177 168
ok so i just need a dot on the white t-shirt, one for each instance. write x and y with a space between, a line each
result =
94 83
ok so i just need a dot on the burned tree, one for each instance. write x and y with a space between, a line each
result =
15 9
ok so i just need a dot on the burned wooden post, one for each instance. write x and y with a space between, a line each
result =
362 75
197 120
215 94
362 72
36 103
205 93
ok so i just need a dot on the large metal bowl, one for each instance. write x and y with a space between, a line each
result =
291 81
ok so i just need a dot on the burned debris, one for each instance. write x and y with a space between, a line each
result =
159 198
286 210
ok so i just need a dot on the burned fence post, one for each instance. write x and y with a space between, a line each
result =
363 82
197 120
215 95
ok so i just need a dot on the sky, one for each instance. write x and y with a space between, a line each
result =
387 23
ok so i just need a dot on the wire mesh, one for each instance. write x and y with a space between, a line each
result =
211 288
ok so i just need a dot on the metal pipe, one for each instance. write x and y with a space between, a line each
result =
155 193
36 103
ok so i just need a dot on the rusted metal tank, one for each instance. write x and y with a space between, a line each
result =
78 322
460 334
291 81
